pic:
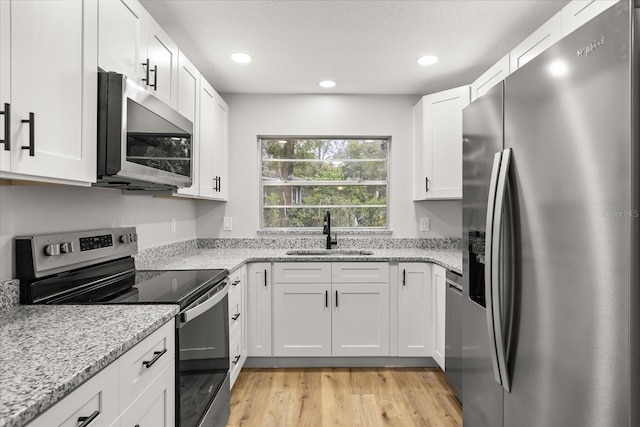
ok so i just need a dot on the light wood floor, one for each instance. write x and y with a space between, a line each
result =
343 397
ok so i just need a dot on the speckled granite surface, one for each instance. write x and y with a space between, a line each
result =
48 351
9 293
232 259
319 241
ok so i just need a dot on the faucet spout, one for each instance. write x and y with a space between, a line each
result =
326 229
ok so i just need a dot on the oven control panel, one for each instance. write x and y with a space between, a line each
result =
42 255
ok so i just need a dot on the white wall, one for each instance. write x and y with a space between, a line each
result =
334 115
28 210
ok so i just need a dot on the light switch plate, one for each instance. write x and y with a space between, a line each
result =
227 223
424 224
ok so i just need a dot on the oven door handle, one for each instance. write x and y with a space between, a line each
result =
204 304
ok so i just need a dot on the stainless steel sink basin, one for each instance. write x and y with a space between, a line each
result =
315 252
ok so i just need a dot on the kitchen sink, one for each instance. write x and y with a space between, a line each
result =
315 252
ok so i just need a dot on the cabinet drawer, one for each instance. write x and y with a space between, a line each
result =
235 282
302 272
235 315
99 395
235 356
155 406
360 272
135 373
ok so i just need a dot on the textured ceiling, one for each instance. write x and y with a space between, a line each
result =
368 47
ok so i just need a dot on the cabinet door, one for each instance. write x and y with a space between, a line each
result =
259 309
122 39
360 319
156 405
490 78
541 39
415 310
439 291
163 62
53 82
419 185
5 82
213 143
301 319
442 144
188 106
579 12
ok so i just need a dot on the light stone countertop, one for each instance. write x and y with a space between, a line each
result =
232 259
48 351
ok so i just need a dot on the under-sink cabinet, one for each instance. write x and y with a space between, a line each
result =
137 389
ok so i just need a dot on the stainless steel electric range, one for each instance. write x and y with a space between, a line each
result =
97 267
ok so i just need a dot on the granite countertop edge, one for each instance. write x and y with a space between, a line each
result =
16 410
233 260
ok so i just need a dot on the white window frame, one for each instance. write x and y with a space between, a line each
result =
386 183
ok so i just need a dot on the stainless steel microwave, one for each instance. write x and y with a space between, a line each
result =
143 144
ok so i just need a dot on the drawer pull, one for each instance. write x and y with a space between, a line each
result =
156 355
235 360
235 317
87 420
235 282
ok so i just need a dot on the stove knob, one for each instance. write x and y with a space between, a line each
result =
66 247
52 250
124 238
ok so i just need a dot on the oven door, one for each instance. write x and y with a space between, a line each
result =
203 361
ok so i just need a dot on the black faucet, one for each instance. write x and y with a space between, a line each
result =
327 230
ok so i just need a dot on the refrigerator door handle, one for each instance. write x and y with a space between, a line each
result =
496 250
489 255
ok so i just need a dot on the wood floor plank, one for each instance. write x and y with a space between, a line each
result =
343 397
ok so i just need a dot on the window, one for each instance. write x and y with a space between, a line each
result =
304 177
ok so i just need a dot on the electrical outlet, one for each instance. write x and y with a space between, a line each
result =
424 224
173 225
227 224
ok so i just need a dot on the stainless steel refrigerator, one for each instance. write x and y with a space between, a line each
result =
551 319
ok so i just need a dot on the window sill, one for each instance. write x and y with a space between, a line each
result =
315 232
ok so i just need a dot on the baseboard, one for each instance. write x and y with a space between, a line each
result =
340 362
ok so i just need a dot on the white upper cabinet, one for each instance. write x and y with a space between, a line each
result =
578 12
132 43
189 106
490 78
438 145
213 139
48 82
122 37
541 39
162 54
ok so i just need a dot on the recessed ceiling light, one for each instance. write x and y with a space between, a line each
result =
427 60
241 57
327 84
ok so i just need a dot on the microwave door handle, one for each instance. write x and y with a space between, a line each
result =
489 254
203 306
496 279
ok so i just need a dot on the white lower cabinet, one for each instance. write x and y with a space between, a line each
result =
137 389
439 280
156 405
360 322
315 315
259 309
415 310
302 319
